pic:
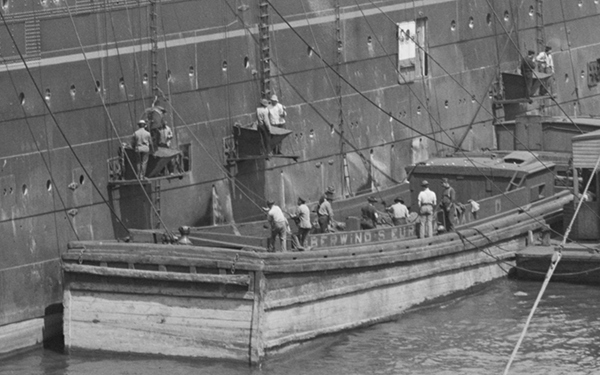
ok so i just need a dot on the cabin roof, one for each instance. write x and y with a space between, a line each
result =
586 137
482 165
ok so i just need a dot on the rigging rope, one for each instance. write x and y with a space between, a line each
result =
62 133
555 259
138 178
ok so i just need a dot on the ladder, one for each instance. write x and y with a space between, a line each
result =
513 184
540 35
156 202
265 50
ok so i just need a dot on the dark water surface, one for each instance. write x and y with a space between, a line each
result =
471 335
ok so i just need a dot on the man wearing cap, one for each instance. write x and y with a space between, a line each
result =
448 199
277 115
368 218
277 112
325 212
399 212
279 225
142 141
302 219
427 201
264 125
527 68
545 65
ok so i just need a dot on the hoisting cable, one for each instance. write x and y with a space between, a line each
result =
154 209
554 262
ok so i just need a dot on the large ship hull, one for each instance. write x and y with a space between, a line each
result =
77 75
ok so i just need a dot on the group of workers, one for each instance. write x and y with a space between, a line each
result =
543 62
268 114
144 143
370 216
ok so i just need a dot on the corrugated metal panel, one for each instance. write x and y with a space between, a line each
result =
585 153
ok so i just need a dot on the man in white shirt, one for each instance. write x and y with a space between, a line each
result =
399 212
277 115
302 219
545 65
427 201
279 225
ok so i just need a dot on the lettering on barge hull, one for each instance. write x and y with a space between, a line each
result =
361 237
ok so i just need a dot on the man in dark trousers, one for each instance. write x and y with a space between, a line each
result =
527 68
448 199
264 126
142 141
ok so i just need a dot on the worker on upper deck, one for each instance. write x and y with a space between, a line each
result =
264 125
527 68
277 116
545 65
427 201
142 142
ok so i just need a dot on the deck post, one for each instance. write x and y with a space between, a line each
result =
257 347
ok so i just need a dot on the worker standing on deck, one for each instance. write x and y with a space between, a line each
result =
325 212
427 201
277 116
142 141
448 206
302 219
264 125
368 218
399 212
279 225
527 68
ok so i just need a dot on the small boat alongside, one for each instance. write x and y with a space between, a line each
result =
220 298
580 260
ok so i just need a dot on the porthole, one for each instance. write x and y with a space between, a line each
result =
81 179
73 91
246 62
224 66
49 185
97 88
506 16
24 189
47 95
309 51
488 19
145 79
453 25
191 72
121 83
531 11
22 98
471 22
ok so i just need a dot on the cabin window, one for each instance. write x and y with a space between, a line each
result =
412 50
185 159
537 192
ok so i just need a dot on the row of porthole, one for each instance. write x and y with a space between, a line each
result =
73 90
25 189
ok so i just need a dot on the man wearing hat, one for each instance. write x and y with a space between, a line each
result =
142 141
369 217
545 65
399 212
277 115
527 68
279 225
324 210
264 125
427 201
302 219
448 199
